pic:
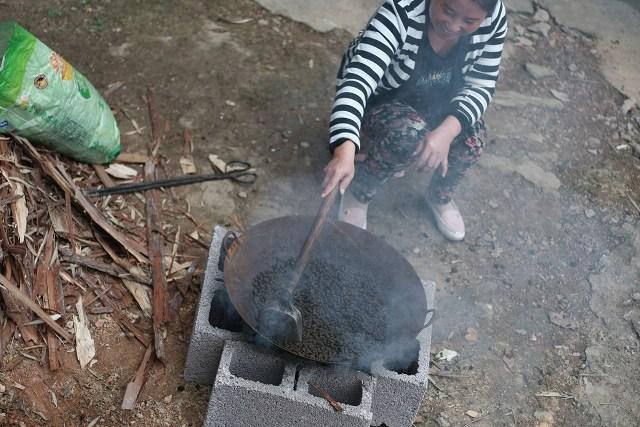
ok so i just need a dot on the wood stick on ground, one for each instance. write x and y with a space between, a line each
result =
55 298
154 237
633 202
138 158
6 284
104 177
110 269
134 387
122 320
14 310
62 179
334 403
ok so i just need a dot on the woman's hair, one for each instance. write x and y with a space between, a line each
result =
487 5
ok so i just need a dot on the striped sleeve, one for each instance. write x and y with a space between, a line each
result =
482 69
364 64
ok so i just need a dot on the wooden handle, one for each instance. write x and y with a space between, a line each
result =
316 229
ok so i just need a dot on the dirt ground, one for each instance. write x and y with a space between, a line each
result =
543 294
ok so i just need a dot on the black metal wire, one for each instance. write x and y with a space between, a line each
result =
237 171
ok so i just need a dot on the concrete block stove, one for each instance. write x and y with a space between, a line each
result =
254 385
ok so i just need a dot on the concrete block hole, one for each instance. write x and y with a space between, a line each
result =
344 387
257 365
406 363
222 314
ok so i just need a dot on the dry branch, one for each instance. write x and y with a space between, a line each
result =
154 236
110 269
6 284
134 387
60 177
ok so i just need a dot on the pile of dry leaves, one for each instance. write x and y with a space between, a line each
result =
63 255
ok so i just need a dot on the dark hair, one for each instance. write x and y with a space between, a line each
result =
487 5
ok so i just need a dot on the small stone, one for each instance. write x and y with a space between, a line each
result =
533 338
524 41
541 15
560 95
243 195
538 71
446 355
472 335
305 144
168 399
419 419
416 251
521 332
543 416
2 388
473 414
628 105
590 213
594 142
263 22
573 68
636 296
443 421
493 204
541 28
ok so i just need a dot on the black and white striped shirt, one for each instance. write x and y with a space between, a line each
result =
383 56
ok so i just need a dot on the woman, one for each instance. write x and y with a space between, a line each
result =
415 83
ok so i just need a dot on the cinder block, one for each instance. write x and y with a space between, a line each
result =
256 386
399 390
207 340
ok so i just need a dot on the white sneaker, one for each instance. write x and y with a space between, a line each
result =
449 220
353 211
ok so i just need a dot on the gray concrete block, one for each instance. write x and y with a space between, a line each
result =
207 341
256 386
398 395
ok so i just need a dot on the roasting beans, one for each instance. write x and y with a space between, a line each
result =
343 311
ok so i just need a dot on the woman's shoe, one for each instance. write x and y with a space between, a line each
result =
448 219
353 211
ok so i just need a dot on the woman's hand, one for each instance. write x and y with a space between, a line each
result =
340 169
434 150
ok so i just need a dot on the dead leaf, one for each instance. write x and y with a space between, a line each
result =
142 295
239 21
121 171
554 394
20 211
218 164
473 414
187 165
472 335
509 359
85 348
176 267
560 319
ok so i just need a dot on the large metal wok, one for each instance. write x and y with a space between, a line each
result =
399 313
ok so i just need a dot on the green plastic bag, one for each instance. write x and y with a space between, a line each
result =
44 99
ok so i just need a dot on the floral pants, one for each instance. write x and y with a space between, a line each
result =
392 133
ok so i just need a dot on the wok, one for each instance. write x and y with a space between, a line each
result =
400 305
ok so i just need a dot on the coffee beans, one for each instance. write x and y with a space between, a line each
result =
343 311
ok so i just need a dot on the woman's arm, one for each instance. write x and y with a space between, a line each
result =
470 103
366 61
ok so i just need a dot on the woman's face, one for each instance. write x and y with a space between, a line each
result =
452 19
